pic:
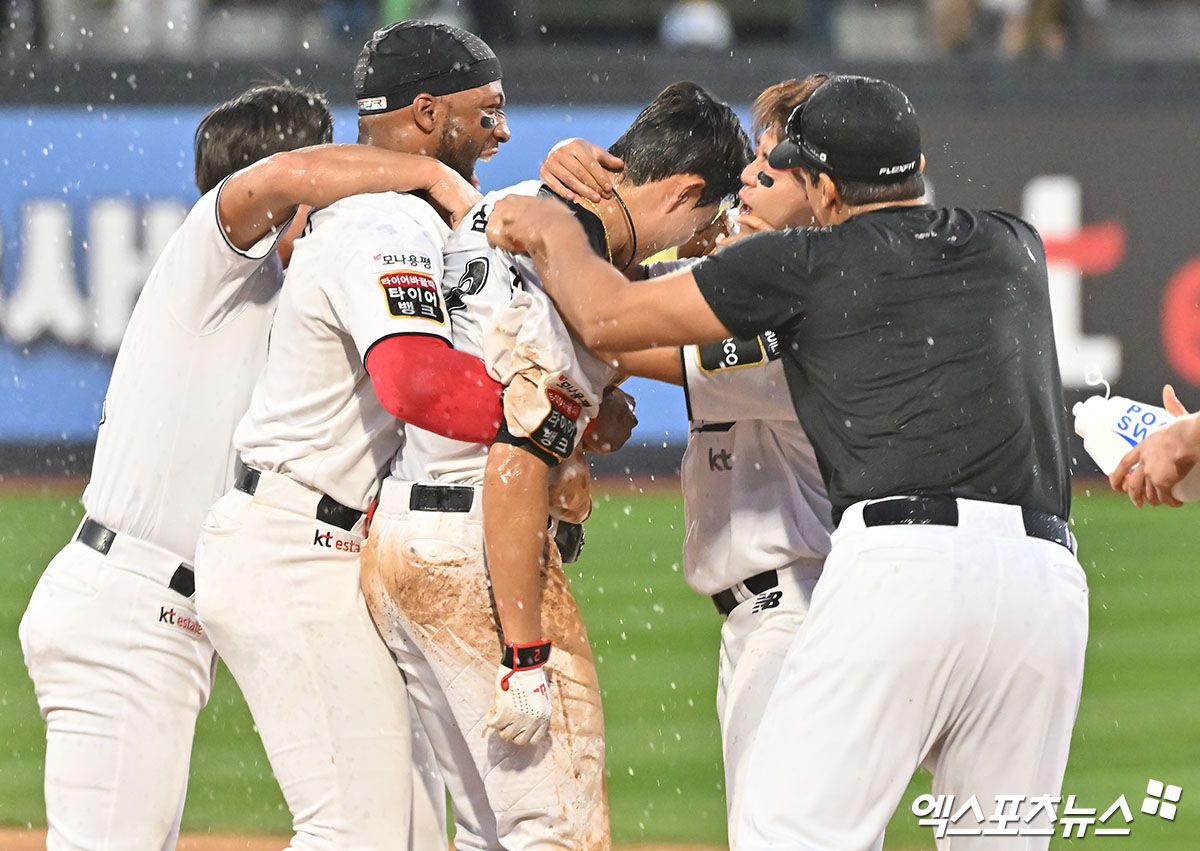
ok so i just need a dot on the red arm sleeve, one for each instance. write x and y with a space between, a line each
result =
425 382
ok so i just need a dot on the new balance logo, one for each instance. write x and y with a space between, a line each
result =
720 462
766 600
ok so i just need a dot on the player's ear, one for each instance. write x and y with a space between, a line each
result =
425 112
685 193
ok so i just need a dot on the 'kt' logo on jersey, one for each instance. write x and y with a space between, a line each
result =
720 462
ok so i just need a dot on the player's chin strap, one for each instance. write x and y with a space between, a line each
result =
527 657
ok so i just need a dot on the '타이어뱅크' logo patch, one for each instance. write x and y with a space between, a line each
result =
412 295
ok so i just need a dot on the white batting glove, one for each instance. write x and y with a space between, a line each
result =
521 711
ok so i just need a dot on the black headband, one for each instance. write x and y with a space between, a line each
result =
458 79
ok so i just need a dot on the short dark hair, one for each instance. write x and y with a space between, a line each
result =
685 130
259 122
856 192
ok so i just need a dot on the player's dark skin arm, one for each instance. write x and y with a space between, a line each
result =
603 309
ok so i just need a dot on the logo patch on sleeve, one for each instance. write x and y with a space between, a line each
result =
556 433
733 353
563 404
412 295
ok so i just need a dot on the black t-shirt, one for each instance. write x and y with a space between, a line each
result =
919 351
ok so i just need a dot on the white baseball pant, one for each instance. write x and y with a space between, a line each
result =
958 646
279 593
427 587
755 638
121 669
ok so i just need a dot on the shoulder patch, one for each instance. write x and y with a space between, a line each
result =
412 295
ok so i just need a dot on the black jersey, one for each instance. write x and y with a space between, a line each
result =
919 351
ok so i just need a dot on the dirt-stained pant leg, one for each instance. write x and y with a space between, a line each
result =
426 586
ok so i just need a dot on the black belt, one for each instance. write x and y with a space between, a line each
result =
329 510
459 499
943 511
100 538
456 498
727 601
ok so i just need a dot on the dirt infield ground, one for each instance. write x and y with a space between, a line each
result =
19 839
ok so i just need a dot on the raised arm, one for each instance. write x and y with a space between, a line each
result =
265 194
603 309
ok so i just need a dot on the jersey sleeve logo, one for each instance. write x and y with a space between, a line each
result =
733 353
412 295
556 433
472 281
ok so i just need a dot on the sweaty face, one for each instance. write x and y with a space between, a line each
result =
474 127
776 197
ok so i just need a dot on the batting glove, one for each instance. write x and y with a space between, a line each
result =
521 711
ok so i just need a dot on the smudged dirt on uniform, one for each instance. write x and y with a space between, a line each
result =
21 839
435 594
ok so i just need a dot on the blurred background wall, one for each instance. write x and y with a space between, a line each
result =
1082 115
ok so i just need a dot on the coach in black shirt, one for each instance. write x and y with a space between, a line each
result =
950 624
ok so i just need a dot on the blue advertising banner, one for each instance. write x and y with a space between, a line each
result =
88 197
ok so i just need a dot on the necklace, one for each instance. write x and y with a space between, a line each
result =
632 229
607 238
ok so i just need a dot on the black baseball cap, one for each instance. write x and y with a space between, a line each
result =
853 128
406 58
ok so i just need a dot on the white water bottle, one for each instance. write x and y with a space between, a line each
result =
1110 427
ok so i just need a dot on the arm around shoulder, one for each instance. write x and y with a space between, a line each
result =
264 195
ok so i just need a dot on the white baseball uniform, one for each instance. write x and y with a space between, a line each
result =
277 561
757 525
426 580
119 661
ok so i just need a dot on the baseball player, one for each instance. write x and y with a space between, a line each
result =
360 338
444 544
119 660
757 517
950 621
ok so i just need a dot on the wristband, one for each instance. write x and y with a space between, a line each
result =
527 657
530 446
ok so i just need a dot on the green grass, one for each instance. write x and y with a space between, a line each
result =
656 645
